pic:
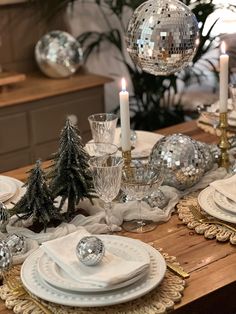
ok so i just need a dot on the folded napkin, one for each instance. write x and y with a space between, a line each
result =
111 270
226 187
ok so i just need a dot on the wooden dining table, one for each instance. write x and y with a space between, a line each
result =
211 287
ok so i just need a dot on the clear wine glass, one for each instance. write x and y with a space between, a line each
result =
95 149
138 182
107 173
103 126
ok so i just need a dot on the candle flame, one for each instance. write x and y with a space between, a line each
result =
123 85
223 47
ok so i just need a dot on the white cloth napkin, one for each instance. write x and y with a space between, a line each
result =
226 187
111 270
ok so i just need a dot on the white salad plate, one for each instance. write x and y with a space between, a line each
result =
207 203
19 192
56 276
144 143
39 287
224 202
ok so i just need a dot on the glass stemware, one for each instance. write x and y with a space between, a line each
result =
95 149
103 126
107 173
138 182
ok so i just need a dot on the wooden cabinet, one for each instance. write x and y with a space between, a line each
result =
33 112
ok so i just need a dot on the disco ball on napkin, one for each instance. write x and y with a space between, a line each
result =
90 250
162 36
58 54
181 158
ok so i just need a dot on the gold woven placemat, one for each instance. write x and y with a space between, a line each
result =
158 301
210 231
210 129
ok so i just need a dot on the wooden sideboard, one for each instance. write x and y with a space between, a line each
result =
33 112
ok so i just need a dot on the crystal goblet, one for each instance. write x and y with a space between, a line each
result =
139 182
99 149
103 126
107 173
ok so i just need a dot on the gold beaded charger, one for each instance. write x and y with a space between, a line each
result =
208 230
158 301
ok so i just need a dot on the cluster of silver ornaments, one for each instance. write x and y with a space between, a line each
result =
184 160
5 256
16 243
162 36
58 54
4 217
90 250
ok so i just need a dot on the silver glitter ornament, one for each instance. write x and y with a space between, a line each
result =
16 243
181 159
5 256
90 250
58 54
208 157
4 217
162 36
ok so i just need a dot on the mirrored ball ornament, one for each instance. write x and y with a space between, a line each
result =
58 54
182 162
90 250
16 243
5 256
162 36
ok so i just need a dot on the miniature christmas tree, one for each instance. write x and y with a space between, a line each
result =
37 201
70 175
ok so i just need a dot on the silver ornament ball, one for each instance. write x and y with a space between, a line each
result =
5 256
208 157
58 54
16 243
90 250
162 36
182 162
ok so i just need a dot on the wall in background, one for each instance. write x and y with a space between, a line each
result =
21 26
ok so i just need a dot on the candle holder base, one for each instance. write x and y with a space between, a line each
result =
127 158
224 144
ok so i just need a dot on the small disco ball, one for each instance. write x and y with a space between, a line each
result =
162 36
58 54
181 159
16 243
90 250
5 256
207 154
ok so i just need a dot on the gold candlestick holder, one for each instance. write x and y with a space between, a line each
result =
224 144
127 158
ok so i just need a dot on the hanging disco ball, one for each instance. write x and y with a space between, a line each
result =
58 54
162 36
181 158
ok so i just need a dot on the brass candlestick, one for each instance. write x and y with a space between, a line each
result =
127 158
224 144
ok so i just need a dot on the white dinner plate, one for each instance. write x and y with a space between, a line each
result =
20 191
7 188
224 202
207 203
37 286
144 143
56 276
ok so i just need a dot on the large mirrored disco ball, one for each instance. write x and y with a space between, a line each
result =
162 36
5 256
181 159
58 54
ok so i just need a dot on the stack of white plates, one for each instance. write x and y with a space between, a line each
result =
11 190
45 279
217 204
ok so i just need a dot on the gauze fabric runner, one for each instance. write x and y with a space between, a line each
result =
110 271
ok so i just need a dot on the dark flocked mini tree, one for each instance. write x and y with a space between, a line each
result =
37 202
70 177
